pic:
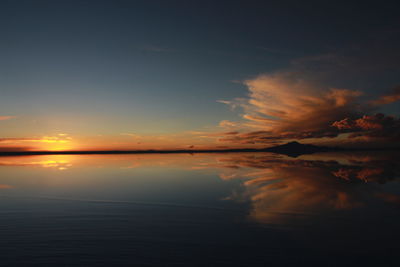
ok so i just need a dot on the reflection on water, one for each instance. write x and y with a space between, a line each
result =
48 162
312 185
219 209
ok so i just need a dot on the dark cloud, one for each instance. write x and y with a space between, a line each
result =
15 148
378 125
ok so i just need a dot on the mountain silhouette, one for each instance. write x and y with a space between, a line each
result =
295 149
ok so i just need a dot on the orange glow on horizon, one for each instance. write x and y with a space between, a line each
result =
61 142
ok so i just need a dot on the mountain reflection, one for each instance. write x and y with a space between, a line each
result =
281 188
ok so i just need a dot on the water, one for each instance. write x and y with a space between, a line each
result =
238 209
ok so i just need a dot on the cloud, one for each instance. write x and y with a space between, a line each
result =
393 96
377 126
8 144
228 124
286 105
15 148
12 140
3 118
304 99
44 139
133 135
207 134
238 102
283 105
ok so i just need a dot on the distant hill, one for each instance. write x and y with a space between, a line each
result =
295 149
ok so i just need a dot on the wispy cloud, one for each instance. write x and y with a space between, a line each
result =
44 139
3 118
389 98
133 135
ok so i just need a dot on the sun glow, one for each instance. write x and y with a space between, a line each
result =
58 146
61 142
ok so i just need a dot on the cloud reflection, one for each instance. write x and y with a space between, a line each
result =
282 189
51 162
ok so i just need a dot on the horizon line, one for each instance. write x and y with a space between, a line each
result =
149 151
274 149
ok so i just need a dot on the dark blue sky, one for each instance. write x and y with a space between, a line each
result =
109 67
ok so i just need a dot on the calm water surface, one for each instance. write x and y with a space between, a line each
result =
250 209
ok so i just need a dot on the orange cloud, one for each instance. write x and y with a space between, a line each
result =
2 118
388 98
377 125
285 106
57 142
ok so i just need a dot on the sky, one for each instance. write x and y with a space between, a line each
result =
89 75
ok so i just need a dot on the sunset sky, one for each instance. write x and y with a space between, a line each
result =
90 75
